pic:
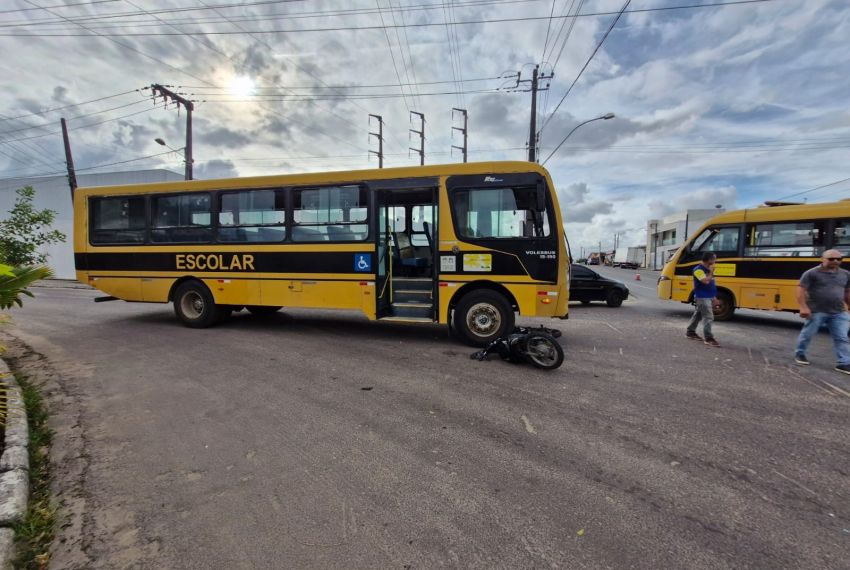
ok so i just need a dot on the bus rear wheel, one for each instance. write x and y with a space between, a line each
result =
483 316
195 307
725 307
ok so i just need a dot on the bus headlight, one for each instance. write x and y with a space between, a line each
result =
663 278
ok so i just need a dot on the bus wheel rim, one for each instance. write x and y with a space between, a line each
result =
483 319
192 304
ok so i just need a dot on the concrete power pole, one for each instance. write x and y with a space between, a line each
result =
464 130
536 78
69 160
421 133
380 135
166 94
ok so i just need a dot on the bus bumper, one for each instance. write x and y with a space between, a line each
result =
665 287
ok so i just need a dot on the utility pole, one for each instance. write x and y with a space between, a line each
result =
421 133
69 160
536 78
166 94
380 135
463 130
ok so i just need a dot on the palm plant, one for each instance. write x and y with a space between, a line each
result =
15 280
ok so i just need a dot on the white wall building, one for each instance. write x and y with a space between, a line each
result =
53 192
665 235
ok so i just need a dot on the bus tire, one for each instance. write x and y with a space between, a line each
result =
725 307
260 310
482 316
195 307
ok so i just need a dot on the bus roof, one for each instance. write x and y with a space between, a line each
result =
780 213
347 176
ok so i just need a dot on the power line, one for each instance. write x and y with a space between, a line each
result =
93 167
72 105
263 18
74 118
567 36
813 189
275 111
282 96
84 126
60 6
125 46
548 27
357 86
392 55
373 28
598 46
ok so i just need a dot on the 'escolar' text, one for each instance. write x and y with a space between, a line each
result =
213 261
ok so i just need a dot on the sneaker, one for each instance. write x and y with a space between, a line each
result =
844 368
715 344
693 336
801 359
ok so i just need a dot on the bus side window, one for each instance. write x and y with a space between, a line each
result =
841 236
786 239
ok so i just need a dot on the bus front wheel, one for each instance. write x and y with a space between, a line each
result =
483 316
195 307
725 307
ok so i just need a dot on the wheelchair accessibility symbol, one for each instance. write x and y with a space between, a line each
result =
362 262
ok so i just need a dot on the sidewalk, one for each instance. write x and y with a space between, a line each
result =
60 284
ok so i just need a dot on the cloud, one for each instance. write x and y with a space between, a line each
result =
214 169
224 137
701 198
577 209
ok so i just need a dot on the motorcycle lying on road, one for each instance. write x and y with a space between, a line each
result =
536 346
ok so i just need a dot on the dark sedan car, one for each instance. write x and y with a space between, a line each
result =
587 285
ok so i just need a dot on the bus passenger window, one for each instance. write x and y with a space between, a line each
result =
117 220
182 218
337 213
252 216
787 239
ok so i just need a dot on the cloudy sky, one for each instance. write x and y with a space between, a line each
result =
729 105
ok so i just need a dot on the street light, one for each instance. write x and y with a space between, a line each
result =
180 150
604 117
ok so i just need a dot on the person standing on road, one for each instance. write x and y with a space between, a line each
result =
824 295
705 296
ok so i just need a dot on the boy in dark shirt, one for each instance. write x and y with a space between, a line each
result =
705 294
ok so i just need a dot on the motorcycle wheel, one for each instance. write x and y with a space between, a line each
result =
543 351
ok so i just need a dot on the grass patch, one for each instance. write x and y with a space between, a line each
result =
34 533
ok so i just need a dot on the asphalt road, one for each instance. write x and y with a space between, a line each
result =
320 440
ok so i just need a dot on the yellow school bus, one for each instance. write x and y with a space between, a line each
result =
761 254
467 245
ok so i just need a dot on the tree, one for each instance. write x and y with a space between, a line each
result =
25 230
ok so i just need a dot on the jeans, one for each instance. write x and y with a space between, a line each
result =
704 311
837 323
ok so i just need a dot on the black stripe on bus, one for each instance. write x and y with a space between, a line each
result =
261 262
760 269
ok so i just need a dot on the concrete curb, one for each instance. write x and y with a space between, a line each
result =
14 467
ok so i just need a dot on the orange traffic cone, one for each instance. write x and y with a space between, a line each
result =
637 276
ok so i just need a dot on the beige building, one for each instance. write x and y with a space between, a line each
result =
665 235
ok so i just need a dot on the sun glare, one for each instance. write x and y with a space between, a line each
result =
242 86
